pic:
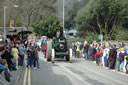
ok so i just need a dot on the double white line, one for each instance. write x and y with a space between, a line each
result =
27 72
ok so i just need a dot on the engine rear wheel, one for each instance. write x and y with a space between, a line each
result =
48 50
70 56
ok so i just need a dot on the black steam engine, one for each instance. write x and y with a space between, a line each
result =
61 48
60 42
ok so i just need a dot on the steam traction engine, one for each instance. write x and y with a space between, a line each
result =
59 47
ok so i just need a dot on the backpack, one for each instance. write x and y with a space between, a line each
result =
97 56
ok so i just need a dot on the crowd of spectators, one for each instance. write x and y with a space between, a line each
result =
13 54
108 55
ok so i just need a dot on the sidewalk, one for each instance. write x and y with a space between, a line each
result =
114 70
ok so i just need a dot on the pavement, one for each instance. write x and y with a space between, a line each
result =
80 72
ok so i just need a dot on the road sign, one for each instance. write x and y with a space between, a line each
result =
101 38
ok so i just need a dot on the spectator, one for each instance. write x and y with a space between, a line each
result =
97 57
21 54
126 66
94 51
15 53
121 58
74 49
31 57
86 46
122 44
105 56
6 55
119 46
2 50
4 74
81 49
78 50
37 57
38 44
91 52
112 58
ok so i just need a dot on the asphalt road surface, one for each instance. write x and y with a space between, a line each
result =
80 72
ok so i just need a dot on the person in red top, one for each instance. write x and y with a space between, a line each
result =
97 57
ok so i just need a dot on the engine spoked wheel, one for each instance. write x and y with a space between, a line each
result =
53 56
48 50
70 56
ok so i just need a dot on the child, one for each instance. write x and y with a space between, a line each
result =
97 57
4 74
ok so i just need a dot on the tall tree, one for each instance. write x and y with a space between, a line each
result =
48 26
29 11
100 17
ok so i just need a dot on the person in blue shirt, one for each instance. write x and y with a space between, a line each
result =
4 73
22 53
2 50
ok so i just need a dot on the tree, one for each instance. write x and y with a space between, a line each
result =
29 11
48 26
100 17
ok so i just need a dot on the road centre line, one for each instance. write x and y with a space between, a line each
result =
101 74
25 77
29 77
27 72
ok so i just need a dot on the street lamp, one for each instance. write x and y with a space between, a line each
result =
63 14
5 19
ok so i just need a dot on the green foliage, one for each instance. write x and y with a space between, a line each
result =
77 39
47 27
121 34
29 11
101 17
92 37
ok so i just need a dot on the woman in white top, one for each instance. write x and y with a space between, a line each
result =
15 53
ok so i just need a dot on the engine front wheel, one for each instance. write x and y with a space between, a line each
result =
70 56
53 56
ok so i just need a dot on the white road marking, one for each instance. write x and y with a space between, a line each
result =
78 77
25 77
75 75
102 75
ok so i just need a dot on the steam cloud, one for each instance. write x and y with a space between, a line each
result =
69 6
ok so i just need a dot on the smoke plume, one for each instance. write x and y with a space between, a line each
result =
69 5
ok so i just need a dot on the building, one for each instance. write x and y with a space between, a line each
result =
15 32
11 30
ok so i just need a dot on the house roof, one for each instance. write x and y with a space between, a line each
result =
11 29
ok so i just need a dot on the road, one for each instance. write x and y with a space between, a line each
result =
80 72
